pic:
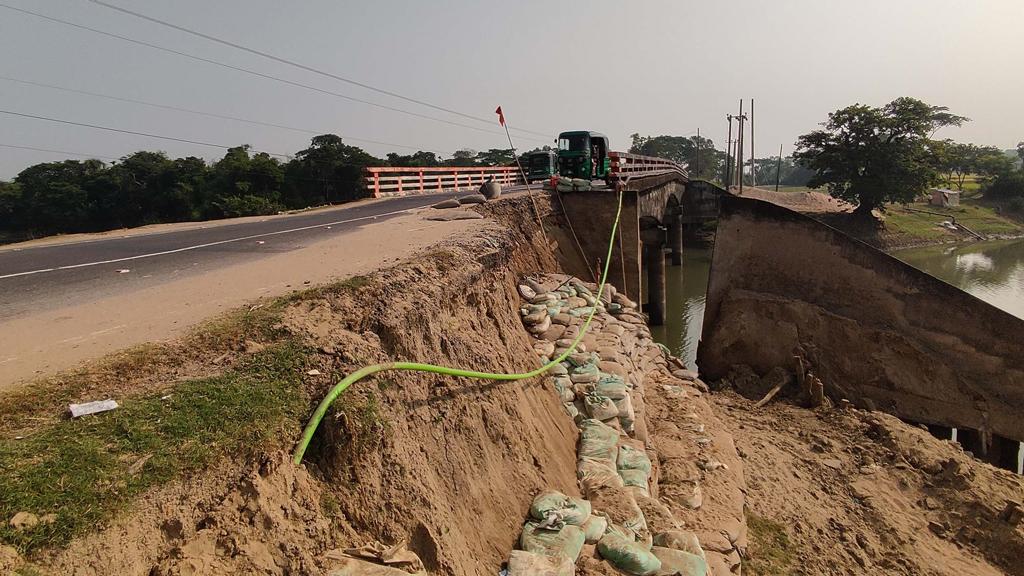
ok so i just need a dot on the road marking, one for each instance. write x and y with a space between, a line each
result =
6 360
209 244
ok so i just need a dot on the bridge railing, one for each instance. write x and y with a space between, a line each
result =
388 181
624 165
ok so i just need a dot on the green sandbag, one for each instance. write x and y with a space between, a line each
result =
568 541
636 478
597 440
600 407
679 540
627 556
596 473
632 459
522 563
594 528
572 510
680 563
612 386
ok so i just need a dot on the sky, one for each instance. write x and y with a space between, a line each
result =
645 66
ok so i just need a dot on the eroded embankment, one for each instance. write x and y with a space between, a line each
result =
192 476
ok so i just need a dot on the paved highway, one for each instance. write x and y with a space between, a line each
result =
48 276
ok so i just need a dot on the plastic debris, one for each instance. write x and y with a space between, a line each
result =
79 410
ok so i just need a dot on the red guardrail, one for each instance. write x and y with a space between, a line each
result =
386 181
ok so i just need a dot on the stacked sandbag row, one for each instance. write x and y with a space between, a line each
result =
600 385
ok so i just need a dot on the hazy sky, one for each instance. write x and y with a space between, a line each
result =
653 67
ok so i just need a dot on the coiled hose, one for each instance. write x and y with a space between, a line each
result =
321 409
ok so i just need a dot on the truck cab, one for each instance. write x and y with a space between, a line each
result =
583 154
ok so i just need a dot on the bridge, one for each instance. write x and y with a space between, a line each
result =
660 200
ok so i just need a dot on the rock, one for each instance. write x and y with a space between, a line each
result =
472 199
24 521
1012 514
562 319
9 559
833 463
450 203
688 375
535 317
544 348
526 291
541 327
252 347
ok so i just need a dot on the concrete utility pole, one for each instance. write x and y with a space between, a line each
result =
728 154
698 152
778 169
753 171
739 148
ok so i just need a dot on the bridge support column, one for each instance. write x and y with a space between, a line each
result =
973 441
1004 452
675 238
654 258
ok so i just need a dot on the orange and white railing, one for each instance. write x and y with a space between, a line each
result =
386 181
625 165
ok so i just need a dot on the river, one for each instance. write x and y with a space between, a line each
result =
993 271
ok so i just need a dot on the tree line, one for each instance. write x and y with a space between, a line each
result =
149 187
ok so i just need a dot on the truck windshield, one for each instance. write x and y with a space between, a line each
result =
577 143
539 161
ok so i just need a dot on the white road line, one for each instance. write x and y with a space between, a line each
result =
209 244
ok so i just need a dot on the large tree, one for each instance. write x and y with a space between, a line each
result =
869 156
693 152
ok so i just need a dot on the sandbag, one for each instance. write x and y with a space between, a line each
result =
472 199
565 389
626 414
568 541
677 562
627 556
597 473
571 510
679 540
594 528
598 440
612 386
600 407
522 563
631 458
637 478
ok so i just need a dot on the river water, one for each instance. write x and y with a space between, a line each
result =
993 271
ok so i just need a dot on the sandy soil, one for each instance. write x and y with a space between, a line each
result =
54 340
865 493
806 202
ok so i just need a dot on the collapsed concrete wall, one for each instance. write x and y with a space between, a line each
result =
877 331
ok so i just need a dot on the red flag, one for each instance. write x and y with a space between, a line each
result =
501 115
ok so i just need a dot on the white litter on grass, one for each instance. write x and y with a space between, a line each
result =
78 410
314 372
260 242
123 271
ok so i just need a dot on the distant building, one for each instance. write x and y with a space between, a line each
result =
944 197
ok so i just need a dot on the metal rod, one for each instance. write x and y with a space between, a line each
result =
753 171
778 169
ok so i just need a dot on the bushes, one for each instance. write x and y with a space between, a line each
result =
1008 185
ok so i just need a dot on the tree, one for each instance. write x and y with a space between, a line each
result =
496 157
420 158
54 197
869 156
463 157
1020 153
690 152
10 205
328 171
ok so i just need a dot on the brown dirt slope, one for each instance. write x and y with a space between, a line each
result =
860 492
449 466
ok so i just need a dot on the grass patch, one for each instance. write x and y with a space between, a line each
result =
350 284
982 219
84 471
770 552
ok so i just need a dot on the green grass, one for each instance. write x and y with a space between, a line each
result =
980 218
770 552
86 470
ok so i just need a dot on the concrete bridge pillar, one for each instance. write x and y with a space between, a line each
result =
675 238
974 441
654 258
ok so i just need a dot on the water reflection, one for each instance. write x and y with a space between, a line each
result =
992 271
686 288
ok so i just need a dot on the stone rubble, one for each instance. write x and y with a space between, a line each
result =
636 493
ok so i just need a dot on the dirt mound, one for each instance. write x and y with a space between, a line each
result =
846 491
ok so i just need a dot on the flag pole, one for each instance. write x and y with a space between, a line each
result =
529 191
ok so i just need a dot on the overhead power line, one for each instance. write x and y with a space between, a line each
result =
199 112
300 65
251 72
133 132
64 152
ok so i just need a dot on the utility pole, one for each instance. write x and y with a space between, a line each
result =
778 169
739 148
698 152
753 171
728 154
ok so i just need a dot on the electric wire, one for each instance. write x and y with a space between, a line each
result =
297 64
202 113
123 131
332 395
50 150
251 72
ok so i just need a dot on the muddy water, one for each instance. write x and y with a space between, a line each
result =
686 288
992 271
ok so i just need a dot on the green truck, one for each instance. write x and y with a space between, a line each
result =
583 154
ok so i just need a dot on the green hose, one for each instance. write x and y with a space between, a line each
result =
321 409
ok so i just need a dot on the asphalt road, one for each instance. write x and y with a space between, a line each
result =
45 277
